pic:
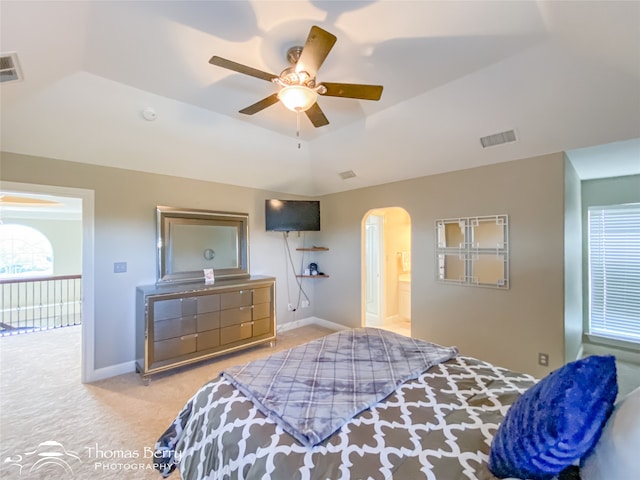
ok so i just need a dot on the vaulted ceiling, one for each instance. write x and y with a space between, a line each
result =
565 76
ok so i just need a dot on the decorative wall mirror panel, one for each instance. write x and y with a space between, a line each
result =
473 251
451 234
452 267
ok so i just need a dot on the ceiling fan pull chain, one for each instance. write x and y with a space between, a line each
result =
298 127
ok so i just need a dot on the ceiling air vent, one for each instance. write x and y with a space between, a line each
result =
9 68
498 139
347 174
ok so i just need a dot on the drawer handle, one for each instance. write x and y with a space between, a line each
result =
245 307
246 323
194 335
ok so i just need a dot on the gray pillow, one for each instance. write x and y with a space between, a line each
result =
617 453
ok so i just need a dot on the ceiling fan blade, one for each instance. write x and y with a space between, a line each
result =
318 45
316 116
261 105
238 67
353 90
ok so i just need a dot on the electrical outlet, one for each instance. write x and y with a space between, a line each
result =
543 359
290 307
305 304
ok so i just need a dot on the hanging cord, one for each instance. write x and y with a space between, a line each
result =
301 272
298 129
293 269
285 245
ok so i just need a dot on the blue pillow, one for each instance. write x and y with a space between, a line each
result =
557 421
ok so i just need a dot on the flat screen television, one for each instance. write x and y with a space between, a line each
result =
292 215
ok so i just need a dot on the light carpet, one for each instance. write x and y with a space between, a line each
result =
103 430
107 430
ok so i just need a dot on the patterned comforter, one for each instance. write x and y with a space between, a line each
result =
313 389
436 426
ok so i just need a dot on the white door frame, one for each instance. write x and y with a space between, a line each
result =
380 280
88 287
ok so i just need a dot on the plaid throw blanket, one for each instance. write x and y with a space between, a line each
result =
313 389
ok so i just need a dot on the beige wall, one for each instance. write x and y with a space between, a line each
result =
124 216
507 327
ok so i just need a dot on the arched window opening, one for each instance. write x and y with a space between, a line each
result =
24 252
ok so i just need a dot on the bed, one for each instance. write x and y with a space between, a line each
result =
436 422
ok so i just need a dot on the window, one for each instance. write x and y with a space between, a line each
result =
24 252
614 272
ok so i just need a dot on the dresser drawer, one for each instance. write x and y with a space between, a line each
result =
174 308
236 299
262 295
174 347
235 333
261 310
179 324
208 303
235 316
262 326
208 339
207 321
175 327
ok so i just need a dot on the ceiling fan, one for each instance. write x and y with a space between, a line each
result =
298 87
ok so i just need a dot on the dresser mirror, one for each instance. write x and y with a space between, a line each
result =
189 241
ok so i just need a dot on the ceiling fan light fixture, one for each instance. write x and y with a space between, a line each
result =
297 98
298 87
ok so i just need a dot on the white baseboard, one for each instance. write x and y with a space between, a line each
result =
128 367
310 321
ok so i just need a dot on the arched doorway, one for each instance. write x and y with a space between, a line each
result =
386 271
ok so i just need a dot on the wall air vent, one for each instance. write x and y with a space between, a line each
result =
347 174
498 139
9 68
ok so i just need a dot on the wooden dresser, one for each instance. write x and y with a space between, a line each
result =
180 324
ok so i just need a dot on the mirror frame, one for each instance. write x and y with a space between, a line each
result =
484 255
165 216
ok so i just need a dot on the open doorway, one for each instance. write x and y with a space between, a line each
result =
66 204
386 271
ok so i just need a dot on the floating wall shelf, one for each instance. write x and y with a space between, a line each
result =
313 249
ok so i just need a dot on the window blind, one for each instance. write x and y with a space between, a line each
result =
614 271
